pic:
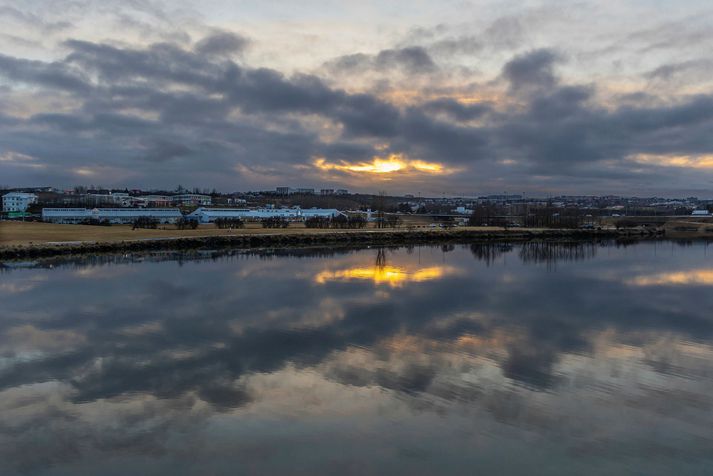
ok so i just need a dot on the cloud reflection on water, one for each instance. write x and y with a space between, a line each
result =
499 353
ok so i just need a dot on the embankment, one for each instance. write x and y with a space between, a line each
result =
283 240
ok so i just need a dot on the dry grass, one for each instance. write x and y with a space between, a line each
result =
14 233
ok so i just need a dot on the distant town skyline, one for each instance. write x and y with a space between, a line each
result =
438 98
317 191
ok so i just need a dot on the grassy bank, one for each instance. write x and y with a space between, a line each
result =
13 233
29 240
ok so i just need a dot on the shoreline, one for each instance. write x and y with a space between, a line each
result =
297 240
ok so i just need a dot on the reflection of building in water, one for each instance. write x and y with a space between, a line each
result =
550 253
382 273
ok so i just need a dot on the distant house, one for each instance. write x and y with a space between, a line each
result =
463 210
17 201
192 199
156 201
121 199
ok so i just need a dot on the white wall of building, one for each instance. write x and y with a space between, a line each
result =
114 215
17 201
209 215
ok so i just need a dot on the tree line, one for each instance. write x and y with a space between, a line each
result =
339 221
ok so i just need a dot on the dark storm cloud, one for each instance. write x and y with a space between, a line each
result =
365 115
532 70
159 62
564 131
51 75
457 110
411 59
433 138
223 43
264 90
463 45
164 102
160 150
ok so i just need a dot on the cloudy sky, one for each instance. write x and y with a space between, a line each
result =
447 97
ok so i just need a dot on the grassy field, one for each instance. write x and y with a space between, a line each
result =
14 233
24 233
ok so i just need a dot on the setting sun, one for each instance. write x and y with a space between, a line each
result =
379 165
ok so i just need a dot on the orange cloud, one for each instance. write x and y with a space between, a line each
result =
669 160
379 165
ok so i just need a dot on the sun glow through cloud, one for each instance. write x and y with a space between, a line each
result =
685 161
379 165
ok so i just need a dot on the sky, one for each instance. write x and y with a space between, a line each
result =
438 98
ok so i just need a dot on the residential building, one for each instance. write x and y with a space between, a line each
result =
17 201
121 199
156 201
192 199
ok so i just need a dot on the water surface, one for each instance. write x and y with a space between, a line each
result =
479 359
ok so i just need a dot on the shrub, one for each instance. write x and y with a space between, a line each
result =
339 222
95 222
224 223
275 222
186 224
146 222
317 222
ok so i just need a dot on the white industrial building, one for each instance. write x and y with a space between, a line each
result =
113 215
17 201
319 212
66 215
209 215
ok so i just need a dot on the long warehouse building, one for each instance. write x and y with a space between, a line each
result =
113 215
209 215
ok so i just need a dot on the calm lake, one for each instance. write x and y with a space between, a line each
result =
466 359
